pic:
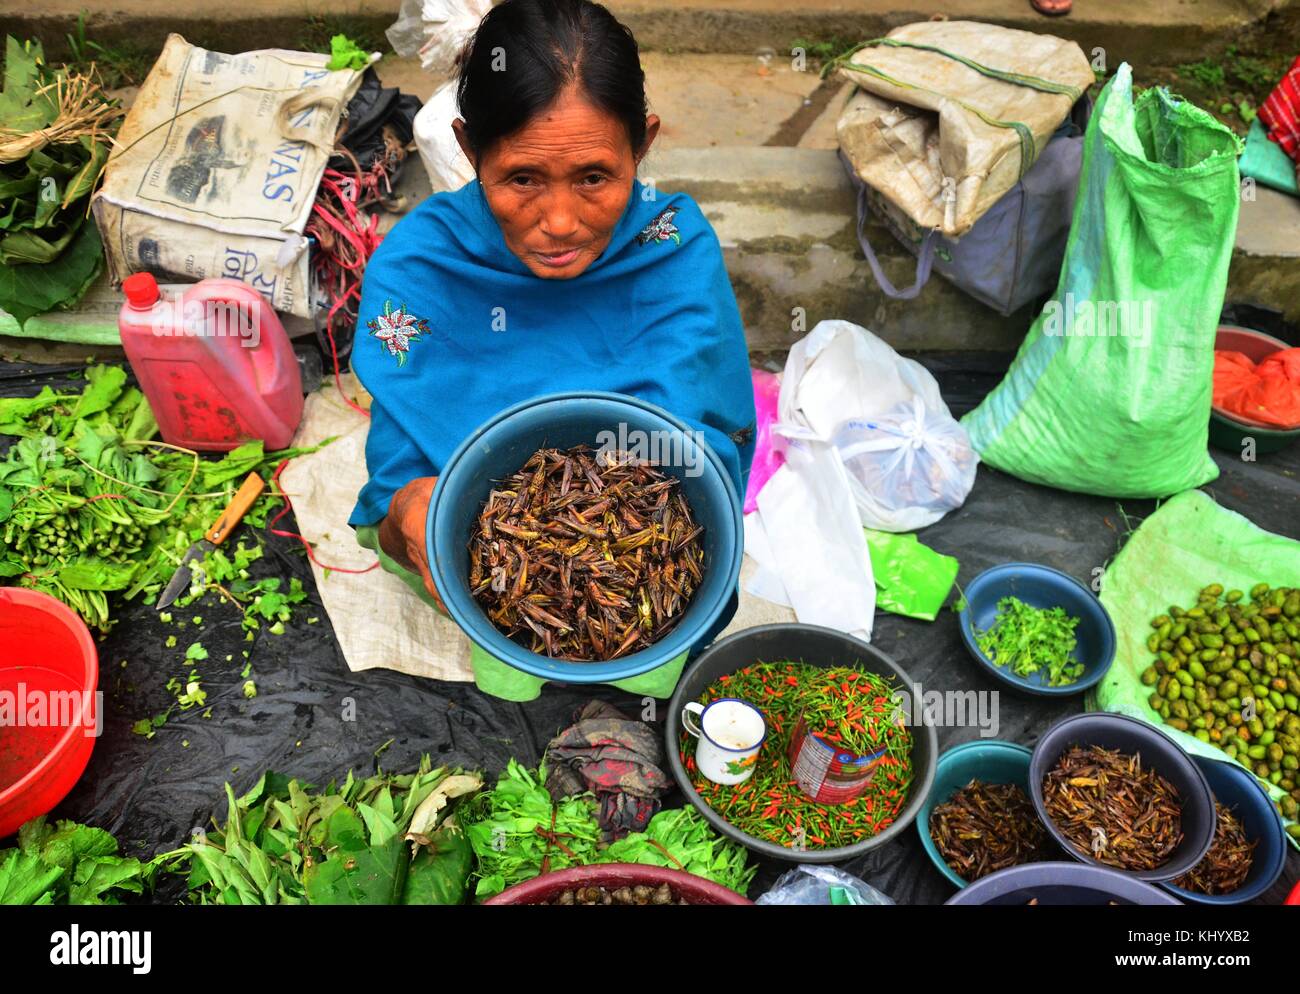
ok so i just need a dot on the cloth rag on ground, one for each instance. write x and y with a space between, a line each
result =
617 759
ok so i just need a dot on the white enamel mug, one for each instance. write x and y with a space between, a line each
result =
730 733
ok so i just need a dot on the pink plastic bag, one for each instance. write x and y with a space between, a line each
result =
767 391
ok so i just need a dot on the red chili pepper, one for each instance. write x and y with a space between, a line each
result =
792 681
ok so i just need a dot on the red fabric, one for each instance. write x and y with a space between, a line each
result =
1280 112
1268 392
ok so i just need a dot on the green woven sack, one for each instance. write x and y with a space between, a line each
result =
1110 392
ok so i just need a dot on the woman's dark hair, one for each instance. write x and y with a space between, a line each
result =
526 51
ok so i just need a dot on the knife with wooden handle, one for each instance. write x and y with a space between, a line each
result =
245 497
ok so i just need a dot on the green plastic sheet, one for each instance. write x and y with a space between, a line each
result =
1187 544
911 579
1110 392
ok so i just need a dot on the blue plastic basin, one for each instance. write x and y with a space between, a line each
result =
1239 791
1060 883
1042 587
988 760
502 445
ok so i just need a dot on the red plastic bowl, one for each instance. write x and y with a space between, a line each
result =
696 890
48 673
1294 897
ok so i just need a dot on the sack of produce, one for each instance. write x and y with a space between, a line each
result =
1188 555
217 167
1110 392
950 115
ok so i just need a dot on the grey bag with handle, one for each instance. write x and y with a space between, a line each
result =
1012 255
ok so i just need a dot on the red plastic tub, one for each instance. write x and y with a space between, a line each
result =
48 712
695 890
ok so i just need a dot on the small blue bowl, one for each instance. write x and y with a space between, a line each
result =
1060 883
1041 587
989 760
1240 792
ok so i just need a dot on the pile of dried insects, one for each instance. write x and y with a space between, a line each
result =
1107 805
586 555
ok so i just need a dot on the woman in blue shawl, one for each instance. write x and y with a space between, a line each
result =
556 269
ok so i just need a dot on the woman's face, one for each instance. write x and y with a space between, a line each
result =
559 185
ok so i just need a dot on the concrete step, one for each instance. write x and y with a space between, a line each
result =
1163 32
786 220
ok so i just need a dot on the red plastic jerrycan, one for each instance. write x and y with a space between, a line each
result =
215 363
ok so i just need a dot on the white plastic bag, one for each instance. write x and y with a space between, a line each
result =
437 29
908 461
443 160
821 885
807 541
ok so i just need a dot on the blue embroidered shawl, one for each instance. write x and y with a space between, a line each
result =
453 328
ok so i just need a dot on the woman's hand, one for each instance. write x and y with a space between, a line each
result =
402 532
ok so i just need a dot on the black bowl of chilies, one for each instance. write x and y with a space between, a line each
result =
804 647
1116 792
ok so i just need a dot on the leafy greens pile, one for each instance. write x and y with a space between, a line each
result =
517 833
67 864
56 130
91 506
1030 639
387 839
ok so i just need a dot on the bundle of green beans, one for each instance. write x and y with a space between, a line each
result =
1228 671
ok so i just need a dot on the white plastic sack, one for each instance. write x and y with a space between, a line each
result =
443 160
908 461
437 29
809 546
813 885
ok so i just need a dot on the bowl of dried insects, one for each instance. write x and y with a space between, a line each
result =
978 818
585 537
1249 849
1117 792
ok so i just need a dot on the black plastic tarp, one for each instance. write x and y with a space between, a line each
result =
314 719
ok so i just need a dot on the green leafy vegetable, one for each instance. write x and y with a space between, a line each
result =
387 839
67 864
346 54
681 838
506 825
1030 639
89 506
517 833
56 130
